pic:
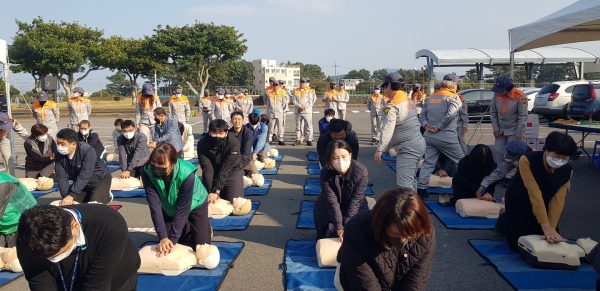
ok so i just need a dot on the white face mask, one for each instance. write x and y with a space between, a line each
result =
43 138
85 131
328 118
62 150
118 128
307 84
377 91
128 135
60 257
341 165
555 164
178 95
255 126
221 96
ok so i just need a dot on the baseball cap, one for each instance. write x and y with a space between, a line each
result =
281 82
236 91
206 92
244 90
275 82
272 79
307 80
332 83
42 96
178 91
393 77
502 83
417 85
227 91
377 87
148 89
5 123
303 80
220 92
79 90
516 148
451 77
341 83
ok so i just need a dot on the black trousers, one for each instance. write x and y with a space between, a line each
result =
233 187
136 172
99 193
326 232
196 230
130 284
515 226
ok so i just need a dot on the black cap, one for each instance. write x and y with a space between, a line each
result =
303 80
332 83
341 82
377 87
275 82
502 83
307 80
271 79
451 77
393 77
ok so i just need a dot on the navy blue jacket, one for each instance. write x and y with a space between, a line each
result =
246 138
325 139
169 132
85 170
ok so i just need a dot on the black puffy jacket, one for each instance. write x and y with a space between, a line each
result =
367 265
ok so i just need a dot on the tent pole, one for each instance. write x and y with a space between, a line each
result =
512 65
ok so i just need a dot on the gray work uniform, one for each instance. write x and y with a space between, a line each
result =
441 109
341 106
463 122
208 115
144 116
276 105
179 109
5 151
222 110
288 97
375 104
245 105
509 116
79 109
304 97
331 93
499 173
400 130
47 115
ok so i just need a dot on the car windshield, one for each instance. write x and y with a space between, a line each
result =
551 88
472 95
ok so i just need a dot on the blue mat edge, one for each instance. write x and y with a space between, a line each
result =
299 214
230 263
444 223
253 213
491 263
18 275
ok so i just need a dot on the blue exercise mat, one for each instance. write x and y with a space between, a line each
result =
525 278
194 161
278 158
8 276
313 157
302 272
392 166
313 187
306 220
139 192
112 169
38 193
314 169
270 171
439 190
448 216
112 163
259 191
194 279
233 222
387 157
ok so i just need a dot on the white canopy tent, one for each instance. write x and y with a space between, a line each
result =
577 22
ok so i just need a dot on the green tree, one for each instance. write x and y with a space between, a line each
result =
360 74
195 50
233 73
14 92
61 49
379 75
412 76
118 84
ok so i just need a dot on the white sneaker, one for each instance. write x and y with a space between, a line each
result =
112 197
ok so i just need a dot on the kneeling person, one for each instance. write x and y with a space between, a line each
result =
133 149
78 162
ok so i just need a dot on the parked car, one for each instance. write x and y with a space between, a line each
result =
531 93
3 103
584 102
552 100
478 102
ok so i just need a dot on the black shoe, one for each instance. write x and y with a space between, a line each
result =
275 138
297 143
497 229
309 143
281 143
373 140
423 193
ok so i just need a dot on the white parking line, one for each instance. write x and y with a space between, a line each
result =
142 229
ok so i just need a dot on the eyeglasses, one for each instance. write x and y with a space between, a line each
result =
556 159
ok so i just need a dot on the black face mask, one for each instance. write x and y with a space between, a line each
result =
397 243
42 103
332 87
158 172
215 141
157 121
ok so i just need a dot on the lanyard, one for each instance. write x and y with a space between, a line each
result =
74 272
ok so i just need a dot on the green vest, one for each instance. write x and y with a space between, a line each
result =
17 203
181 171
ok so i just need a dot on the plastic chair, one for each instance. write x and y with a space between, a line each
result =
595 157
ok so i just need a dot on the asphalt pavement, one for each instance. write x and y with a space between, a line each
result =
456 266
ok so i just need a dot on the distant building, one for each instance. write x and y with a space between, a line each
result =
350 84
264 69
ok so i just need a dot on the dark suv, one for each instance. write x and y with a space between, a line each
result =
3 103
584 102
478 102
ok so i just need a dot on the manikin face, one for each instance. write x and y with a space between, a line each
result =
237 121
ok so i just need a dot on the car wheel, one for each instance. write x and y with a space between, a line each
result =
551 118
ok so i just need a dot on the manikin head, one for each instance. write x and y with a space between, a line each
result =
66 141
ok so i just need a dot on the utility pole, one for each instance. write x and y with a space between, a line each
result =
4 61
155 84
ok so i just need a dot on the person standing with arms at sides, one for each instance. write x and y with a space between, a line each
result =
46 112
80 108
116 133
462 125
221 163
343 186
304 98
375 104
287 100
134 150
400 130
6 125
439 117
418 96
87 135
78 162
329 98
267 89
206 104
342 98
177 199
222 108
276 111
244 104
179 106
508 113
147 101
80 247
40 148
